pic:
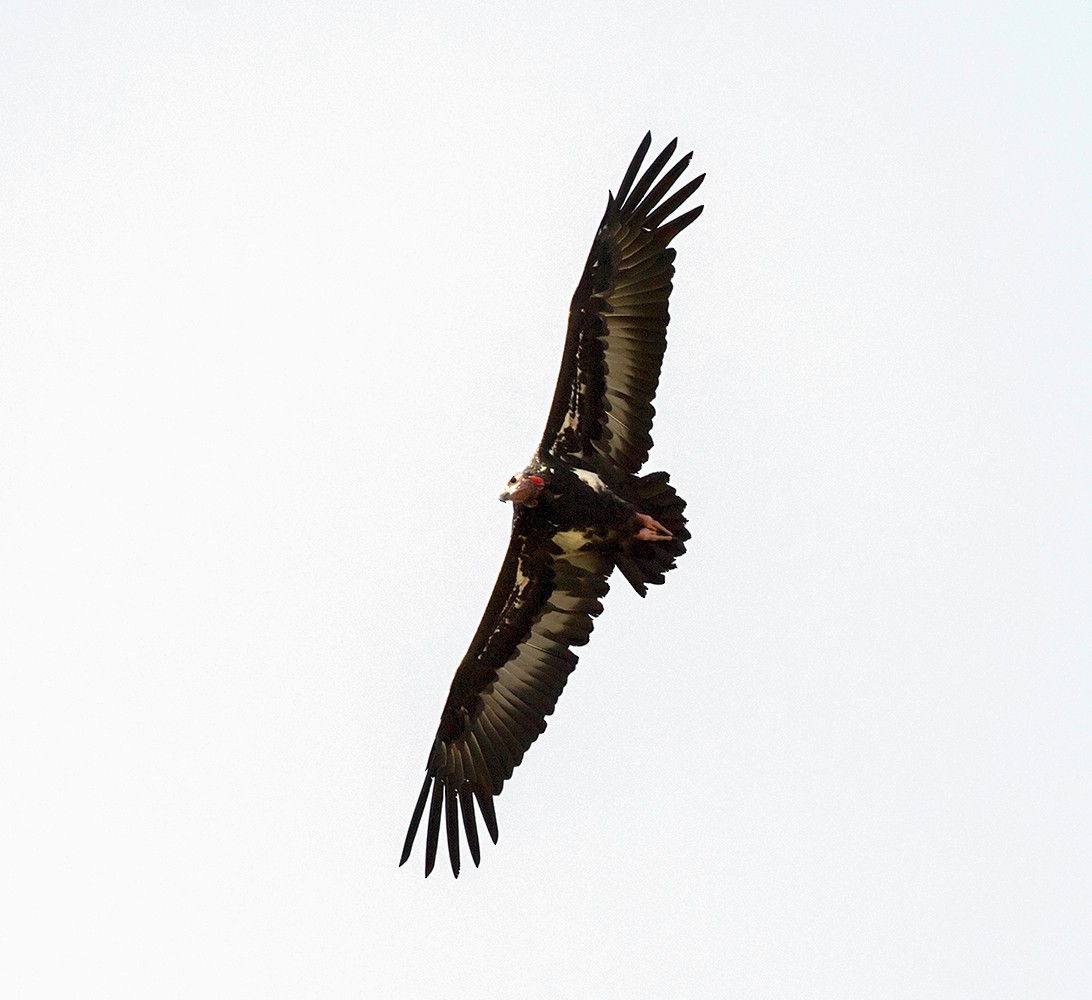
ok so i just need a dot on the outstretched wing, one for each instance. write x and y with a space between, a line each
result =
509 681
617 333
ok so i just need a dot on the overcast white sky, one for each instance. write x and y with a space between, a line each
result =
282 296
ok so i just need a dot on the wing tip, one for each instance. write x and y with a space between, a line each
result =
415 820
485 806
672 229
434 814
649 190
449 804
634 167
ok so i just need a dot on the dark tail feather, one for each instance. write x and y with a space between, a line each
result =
642 563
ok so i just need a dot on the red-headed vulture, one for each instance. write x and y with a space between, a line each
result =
579 510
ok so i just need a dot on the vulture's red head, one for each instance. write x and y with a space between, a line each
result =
523 489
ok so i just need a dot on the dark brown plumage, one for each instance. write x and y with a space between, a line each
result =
580 510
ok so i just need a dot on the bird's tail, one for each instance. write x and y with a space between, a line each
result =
641 562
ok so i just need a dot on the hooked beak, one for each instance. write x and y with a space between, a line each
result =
524 490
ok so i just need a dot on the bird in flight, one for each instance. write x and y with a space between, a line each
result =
579 510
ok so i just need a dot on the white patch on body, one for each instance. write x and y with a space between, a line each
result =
592 480
571 541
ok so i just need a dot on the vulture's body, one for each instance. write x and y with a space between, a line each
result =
580 509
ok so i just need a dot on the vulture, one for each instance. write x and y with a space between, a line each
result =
580 510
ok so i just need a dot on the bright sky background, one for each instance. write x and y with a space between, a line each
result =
282 295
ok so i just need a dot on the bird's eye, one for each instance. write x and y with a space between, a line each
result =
512 480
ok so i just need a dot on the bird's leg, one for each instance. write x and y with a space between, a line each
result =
651 530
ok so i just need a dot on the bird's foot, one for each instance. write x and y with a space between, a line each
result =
651 530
